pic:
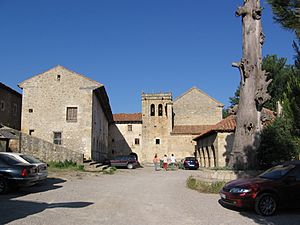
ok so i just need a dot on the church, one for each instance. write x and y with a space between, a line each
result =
165 126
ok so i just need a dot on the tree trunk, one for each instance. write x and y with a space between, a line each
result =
253 88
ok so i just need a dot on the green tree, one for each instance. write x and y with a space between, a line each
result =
281 74
287 13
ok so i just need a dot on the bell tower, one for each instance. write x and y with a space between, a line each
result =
157 117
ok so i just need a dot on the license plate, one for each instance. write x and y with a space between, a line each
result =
223 196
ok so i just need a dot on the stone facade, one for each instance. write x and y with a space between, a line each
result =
10 107
195 107
126 135
67 109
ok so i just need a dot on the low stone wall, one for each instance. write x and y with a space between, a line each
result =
224 175
47 151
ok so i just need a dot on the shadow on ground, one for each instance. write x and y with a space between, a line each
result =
282 217
12 209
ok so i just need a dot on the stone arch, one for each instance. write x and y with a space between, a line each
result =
152 110
160 110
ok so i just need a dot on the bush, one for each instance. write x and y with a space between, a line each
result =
203 186
67 164
109 170
277 144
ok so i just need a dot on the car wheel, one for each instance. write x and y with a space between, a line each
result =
265 204
129 166
3 186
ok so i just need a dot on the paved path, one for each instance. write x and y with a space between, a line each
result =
140 196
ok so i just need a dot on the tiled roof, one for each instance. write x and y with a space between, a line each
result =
125 117
226 125
189 129
229 124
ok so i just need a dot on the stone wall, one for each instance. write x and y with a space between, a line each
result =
196 108
181 146
99 132
122 140
47 151
224 175
10 107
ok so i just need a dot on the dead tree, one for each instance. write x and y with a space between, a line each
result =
253 89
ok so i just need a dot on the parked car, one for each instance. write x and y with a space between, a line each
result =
190 163
15 174
128 161
275 188
41 166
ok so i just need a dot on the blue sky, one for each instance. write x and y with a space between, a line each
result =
132 46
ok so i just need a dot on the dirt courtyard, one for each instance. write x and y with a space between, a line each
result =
139 196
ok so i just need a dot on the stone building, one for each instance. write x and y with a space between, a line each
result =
67 109
214 145
125 134
10 107
168 126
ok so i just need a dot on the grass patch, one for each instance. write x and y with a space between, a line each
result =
109 170
203 186
66 165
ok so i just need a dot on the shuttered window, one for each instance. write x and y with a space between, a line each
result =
71 114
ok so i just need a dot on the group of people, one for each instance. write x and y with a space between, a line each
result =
165 162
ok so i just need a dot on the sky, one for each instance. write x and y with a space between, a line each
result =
132 46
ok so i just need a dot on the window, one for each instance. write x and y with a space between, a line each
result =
152 110
71 114
30 110
2 105
129 127
15 109
30 132
57 138
157 141
136 141
160 110
58 77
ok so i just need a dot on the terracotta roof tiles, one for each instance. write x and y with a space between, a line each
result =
125 117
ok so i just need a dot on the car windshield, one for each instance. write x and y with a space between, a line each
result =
190 158
30 159
276 172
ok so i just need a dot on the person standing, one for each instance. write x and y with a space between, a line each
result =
165 162
156 162
173 161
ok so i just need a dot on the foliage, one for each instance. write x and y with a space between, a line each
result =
287 13
235 99
281 75
65 165
278 143
109 170
280 72
203 186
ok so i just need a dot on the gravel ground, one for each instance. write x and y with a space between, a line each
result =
140 196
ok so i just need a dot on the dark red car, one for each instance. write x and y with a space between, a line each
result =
277 187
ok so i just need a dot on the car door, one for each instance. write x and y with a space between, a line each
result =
292 187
